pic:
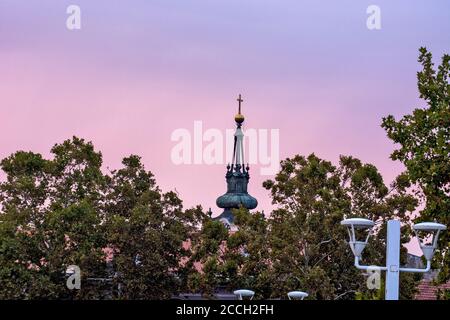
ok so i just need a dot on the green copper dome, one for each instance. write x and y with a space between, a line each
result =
236 195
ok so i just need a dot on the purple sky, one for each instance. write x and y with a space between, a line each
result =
138 70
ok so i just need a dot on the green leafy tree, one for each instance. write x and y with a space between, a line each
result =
49 221
124 233
309 245
423 138
302 245
147 231
208 249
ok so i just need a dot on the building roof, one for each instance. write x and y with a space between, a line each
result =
428 291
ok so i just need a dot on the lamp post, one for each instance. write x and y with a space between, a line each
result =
297 295
359 232
244 293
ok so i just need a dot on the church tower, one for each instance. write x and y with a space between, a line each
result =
237 177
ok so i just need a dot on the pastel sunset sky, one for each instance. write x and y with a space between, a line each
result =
140 69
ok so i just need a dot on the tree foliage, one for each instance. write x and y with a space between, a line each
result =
301 245
423 140
146 230
123 232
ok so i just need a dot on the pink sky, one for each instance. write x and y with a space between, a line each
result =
138 70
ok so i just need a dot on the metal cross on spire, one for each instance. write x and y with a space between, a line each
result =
240 100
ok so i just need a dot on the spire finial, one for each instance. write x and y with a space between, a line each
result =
240 101
239 118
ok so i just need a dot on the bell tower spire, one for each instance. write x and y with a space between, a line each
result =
237 176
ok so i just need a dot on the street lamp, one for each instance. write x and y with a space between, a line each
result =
244 293
297 295
424 231
359 232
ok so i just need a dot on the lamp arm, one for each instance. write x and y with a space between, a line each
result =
428 268
360 267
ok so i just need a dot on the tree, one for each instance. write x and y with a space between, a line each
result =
423 138
313 196
120 229
146 231
302 245
49 221
232 260
208 249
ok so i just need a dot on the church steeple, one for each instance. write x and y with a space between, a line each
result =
237 176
